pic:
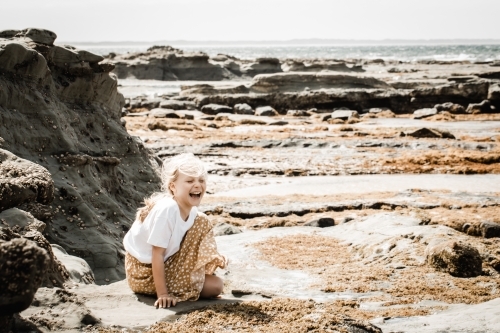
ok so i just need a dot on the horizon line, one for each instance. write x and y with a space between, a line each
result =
298 40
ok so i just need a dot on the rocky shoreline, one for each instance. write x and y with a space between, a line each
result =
292 84
77 157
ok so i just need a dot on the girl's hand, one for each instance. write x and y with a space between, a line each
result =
165 300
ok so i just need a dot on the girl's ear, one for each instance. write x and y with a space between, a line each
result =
171 187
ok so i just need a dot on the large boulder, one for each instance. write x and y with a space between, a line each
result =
424 113
243 108
456 258
262 66
344 114
26 226
450 107
321 222
19 59
164 113
489 229
213 109
494 92
483 107
78 269
485 229
429 133
268 111
37 35
22 269
9 33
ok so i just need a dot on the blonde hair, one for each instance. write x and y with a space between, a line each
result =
185 163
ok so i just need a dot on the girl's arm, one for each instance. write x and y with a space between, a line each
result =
164 299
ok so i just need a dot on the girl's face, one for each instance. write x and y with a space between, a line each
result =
188 190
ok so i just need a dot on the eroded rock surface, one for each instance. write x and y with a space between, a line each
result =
22 269
60 110
22 181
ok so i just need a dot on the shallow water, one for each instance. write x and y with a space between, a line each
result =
131 88
249 273
279 50
330 185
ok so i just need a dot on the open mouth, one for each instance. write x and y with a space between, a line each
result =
195 195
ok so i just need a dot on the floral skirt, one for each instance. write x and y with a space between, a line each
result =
185 270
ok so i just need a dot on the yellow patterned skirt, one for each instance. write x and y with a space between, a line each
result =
185 270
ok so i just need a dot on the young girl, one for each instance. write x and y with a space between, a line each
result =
171 250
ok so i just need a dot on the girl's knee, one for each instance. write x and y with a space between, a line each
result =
213 286
218 285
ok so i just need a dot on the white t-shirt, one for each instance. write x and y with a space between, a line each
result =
163 227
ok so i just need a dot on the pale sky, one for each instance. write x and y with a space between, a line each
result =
229 20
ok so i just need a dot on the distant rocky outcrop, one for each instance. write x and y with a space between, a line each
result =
66 158
283 82
328 90
170 64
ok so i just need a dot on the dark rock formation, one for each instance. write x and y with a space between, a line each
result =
489 229
168 64
261 66
164 113
281 82
214 109
456 258
283 96
23 224
483 107
450 107
60 108
322 222
429 133
22 181
22 268
243 109
266 111
485 229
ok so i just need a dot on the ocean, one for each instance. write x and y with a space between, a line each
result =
473 53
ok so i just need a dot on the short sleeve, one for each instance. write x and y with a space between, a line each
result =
160 226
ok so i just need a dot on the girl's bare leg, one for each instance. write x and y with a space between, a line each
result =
212 287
